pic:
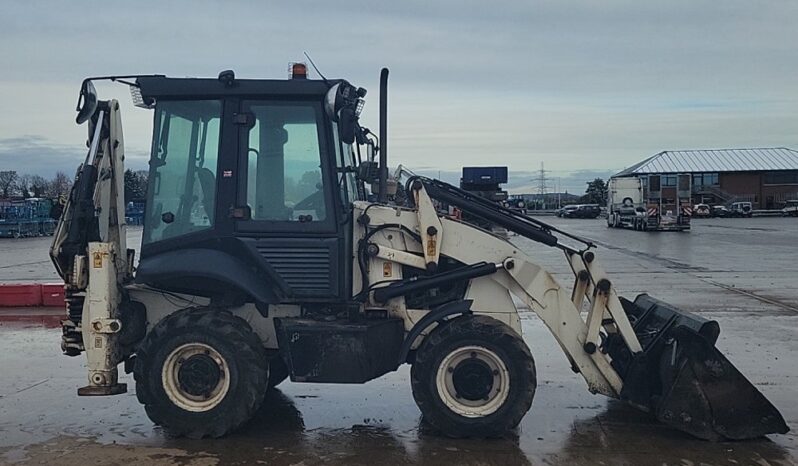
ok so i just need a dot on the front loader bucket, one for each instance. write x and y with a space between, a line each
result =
684 380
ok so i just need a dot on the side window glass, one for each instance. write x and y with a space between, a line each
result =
284 177
182 193
345 161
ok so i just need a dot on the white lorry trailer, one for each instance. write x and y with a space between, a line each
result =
649 202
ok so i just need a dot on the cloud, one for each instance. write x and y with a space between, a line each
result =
577 85
37 155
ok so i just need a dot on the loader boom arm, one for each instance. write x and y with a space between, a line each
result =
517 273
677 375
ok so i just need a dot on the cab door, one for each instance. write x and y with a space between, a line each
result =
288 213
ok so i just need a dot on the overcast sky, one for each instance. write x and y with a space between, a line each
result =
587 88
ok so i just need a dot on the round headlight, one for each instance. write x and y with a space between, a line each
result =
330 102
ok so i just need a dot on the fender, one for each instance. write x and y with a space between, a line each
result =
206 272
436 315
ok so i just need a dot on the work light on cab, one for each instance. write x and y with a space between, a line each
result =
298 70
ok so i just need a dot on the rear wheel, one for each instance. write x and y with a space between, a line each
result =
473 377
201 372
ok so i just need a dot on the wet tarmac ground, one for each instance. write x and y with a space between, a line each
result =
741 272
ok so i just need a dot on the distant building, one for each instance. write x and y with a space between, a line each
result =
766 177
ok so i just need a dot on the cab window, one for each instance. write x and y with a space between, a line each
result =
285 179
182 188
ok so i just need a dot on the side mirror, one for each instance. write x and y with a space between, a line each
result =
87 102
342 104
347 125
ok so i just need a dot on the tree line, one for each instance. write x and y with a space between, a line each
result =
26 186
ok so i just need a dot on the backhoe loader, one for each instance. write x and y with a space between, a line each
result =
276 245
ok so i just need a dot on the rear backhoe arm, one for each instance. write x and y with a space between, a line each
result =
89 252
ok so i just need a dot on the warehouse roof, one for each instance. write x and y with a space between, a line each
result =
716 160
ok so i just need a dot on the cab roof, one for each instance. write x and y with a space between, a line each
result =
162 87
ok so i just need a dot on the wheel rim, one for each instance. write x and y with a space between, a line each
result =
473 381
196 377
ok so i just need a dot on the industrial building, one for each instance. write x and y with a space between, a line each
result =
766 177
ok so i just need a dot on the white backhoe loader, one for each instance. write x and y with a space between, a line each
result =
265 256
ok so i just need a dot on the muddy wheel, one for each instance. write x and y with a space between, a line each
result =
201 372
473 377
278 372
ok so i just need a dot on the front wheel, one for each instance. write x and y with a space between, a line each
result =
201 372
473 377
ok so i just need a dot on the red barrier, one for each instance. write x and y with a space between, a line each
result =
27 294
53 294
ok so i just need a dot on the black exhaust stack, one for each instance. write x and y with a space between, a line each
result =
383 171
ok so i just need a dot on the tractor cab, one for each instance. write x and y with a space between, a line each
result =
263 170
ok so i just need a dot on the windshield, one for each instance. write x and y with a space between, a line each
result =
182 188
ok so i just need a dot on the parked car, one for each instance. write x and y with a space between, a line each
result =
562 210
702 210
583 211
791 208
720 211
741 209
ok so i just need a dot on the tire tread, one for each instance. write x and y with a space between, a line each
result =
250 357
472 326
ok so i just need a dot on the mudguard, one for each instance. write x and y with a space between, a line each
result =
206 272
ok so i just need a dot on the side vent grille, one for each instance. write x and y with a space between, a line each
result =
305 270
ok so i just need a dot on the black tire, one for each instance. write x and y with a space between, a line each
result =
278 372
213 335
453 338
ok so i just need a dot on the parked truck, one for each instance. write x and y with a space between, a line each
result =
650 202
486 183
